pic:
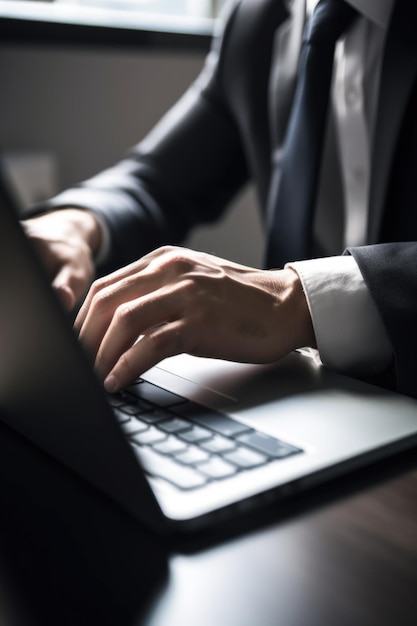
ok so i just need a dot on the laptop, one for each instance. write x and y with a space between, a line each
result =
194 440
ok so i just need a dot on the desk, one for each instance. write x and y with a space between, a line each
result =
342 554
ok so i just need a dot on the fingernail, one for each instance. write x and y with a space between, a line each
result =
110 383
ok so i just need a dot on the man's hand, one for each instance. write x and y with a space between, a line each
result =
177 300
66 241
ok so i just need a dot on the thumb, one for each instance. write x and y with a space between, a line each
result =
65 285
66 296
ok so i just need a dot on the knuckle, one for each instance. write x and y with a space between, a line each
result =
98 285
124 315
175 260
97 292
99 301
166 249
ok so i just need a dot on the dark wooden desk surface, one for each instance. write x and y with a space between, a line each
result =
343 554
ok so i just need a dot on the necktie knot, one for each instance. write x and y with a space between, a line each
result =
330 19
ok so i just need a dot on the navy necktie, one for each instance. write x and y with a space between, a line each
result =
293 188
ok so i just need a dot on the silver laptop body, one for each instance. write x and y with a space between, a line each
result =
311 424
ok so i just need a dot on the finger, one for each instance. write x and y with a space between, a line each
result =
107 294
71 284
159 344
103 300
133 319
109 291
144 275
66 297
96 288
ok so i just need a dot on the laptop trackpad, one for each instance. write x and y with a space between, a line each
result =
231 386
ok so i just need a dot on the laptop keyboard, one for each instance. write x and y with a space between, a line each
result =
187 444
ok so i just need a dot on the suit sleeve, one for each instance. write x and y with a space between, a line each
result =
390 272
183 173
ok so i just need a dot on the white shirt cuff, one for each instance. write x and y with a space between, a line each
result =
350 335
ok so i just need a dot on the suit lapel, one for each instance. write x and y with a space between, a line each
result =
399 70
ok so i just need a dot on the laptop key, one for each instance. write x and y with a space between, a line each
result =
268 445
216 467
174 425
133 399
155 416
149 436
133 426
216 421
245 458
195 434
163 467
156 395
130 409
115 400
171 445
218 444
192 455
120 416
131 404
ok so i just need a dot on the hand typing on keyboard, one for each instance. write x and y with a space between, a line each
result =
178 301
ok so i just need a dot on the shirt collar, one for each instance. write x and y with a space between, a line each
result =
378 11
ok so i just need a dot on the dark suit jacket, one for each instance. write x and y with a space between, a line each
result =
219 136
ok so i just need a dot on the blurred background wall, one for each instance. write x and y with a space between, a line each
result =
84 106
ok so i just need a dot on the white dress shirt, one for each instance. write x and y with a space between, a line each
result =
349 332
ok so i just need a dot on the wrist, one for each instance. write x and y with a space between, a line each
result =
298 315
84 225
